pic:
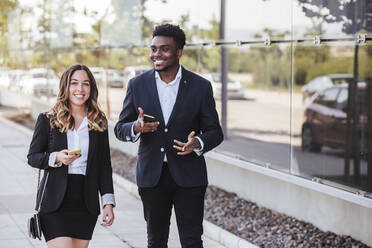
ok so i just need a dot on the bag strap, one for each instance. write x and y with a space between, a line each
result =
42 193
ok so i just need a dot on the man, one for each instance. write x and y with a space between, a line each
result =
171 170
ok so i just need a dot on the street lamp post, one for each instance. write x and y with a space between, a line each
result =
224 64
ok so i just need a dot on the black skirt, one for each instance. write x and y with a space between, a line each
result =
72 218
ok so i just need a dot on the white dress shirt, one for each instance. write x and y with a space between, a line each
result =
79 139
167 93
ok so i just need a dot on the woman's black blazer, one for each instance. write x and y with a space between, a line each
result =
98 178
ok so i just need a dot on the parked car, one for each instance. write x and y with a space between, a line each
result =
115 79
132 71
234 88
320 83
40 81
4 77
98 74
326 119
16 77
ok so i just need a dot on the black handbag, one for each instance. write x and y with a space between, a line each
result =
33 224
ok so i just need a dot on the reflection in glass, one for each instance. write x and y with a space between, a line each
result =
61 23
247 19
332 17
258 119
282 98
334 120
122 24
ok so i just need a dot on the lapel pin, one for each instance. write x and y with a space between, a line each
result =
185 82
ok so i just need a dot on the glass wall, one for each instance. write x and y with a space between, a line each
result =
298 70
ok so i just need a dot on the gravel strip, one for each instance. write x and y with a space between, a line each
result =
258 225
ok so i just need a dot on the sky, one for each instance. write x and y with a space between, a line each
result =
244 18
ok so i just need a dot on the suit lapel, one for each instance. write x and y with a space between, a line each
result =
92 145
181 95
154 94
59 140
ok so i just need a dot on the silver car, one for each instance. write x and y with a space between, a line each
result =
318 84
234 88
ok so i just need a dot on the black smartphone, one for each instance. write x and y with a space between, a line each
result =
148 118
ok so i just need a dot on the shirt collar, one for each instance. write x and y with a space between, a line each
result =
178 76
83 124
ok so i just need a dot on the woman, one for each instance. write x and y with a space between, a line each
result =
70 204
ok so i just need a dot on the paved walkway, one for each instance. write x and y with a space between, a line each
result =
17 198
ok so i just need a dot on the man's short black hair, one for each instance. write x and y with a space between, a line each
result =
173 31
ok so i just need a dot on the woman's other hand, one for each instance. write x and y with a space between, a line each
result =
108 215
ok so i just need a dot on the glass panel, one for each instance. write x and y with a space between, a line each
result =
247 20
61 25
258 107
332 125
194 16
121 23
128 64
329 131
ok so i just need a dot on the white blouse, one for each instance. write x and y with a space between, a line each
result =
79 139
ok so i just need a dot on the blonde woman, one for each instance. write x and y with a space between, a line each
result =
69 207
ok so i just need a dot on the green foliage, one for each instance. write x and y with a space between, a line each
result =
309 55
6 6
240 60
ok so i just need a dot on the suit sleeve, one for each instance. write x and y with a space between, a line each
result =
38 154
127 117
106 184
211 132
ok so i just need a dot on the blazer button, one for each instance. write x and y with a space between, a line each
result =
166 130
162 149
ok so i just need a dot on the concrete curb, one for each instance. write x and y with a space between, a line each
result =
17 126
211 230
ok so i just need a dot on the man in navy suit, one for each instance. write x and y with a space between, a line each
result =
171 169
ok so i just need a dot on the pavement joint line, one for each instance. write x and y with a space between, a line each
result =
211 230
121 239
12 145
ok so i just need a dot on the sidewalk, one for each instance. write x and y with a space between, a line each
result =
18 183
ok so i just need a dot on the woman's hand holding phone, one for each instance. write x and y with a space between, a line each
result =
64 157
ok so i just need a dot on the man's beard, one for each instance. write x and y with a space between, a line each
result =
167 68
163 69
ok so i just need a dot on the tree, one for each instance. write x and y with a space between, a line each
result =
274 57
6 6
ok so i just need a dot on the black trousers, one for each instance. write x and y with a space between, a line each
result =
188 205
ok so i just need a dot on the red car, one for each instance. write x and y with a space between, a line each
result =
326 119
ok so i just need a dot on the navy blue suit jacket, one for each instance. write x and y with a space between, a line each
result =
194 110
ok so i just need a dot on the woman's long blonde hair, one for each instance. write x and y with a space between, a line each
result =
60 115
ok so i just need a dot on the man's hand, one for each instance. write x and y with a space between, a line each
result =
186 148
66 159
108 215
144 127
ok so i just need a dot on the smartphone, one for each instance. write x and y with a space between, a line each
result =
148 118
74 152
